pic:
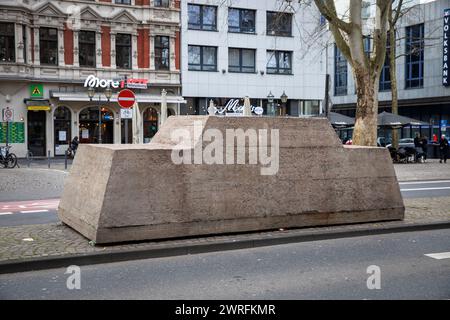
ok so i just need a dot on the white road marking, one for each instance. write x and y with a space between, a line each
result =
33 211
425 182
425 189
5 213
439 256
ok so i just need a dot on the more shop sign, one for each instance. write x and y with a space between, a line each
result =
93 82
235 108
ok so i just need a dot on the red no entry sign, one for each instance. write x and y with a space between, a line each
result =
126 98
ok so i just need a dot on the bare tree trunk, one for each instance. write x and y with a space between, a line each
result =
365 132
393 76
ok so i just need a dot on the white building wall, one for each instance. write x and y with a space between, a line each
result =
307 81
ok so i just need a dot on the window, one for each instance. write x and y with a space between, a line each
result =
279 24
414 56
241 20
122 1
24 41
161 3
86 48
241 60
7 47
279 62
202 58
162 53
48 43
385 76
202 17
123 51
340 73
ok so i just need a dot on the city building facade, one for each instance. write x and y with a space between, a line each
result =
52 52
422 67
259 49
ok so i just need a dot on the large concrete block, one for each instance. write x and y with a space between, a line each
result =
118 193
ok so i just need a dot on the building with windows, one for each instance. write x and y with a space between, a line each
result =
421 67
52 51
259 49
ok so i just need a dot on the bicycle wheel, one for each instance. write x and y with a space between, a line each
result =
11 160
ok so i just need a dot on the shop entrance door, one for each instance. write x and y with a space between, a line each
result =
36 133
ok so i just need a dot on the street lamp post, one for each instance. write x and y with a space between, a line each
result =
91 94
284 99
270 106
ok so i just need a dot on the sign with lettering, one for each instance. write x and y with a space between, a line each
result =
233 106
446 49
94 82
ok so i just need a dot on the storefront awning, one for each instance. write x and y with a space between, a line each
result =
141 98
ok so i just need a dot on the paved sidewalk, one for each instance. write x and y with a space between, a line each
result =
430 170
55 245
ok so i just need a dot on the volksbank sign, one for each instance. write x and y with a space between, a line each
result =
446 49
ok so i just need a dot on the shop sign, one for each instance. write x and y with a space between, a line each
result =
39 108
234 106
446 49
36 90
94 82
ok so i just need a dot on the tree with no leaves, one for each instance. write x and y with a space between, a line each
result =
349 37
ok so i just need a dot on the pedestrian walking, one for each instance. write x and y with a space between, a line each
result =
443 148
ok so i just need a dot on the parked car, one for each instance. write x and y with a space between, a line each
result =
403 143
382 142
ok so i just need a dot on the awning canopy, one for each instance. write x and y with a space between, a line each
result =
141 98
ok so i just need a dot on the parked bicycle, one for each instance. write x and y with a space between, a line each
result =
7 159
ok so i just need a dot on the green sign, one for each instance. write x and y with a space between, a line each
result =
36 90
16 132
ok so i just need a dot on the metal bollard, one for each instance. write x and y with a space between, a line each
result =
65 160
48 159
28 158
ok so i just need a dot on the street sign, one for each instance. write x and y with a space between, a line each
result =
36 90
126 98
8 114
126 113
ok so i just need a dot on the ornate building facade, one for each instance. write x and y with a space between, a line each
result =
51 52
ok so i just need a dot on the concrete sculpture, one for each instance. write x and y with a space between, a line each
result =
169 188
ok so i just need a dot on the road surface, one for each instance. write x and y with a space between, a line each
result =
412 265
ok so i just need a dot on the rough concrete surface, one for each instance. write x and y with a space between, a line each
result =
141 194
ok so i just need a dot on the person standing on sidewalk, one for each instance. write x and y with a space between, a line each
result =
443 148
424 143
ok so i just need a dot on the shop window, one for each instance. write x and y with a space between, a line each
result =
7 47
241 20
48 44
414 56
162 53
279 24
123 51
241 60
202 17
62 129
150 120
90 122
86 47
202 58
279 62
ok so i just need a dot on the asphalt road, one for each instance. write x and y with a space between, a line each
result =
44 211
328 269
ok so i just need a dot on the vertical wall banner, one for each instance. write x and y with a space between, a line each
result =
446 49
16 132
